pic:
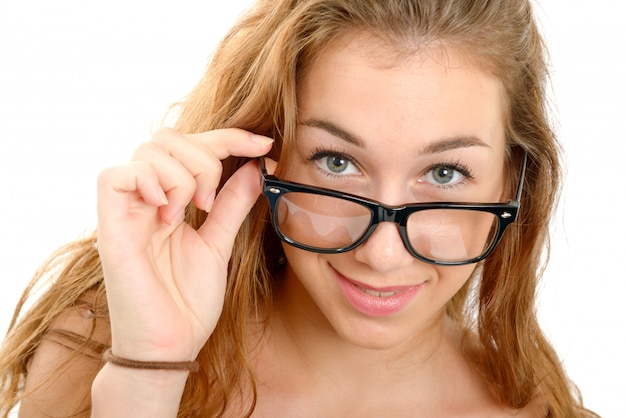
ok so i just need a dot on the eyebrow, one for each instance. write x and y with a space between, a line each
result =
447 144
453 143
334 130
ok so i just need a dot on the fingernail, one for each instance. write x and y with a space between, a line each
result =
260 139
162 196
209 202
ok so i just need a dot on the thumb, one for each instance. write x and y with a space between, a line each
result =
230 208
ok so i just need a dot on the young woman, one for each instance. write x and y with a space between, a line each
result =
390 268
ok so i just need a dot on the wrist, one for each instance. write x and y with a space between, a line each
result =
121 391
191 366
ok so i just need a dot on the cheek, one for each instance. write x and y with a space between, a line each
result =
304 266
452 279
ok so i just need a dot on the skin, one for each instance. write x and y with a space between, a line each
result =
396 112
319 356
395 121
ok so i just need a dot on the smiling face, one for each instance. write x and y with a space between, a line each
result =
425 128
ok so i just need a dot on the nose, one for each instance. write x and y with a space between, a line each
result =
384 250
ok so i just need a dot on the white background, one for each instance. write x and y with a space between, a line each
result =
82 83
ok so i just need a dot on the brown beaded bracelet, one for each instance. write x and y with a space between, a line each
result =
191 366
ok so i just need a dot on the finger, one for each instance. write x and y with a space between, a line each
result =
231 207
125 192
179 184
196 157
234 142
201 155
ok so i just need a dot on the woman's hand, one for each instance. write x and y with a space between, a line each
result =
166 281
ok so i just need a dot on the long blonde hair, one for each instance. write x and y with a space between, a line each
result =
251 83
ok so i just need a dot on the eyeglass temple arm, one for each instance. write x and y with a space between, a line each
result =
262 166
522 176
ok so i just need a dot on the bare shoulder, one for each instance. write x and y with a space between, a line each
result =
59 375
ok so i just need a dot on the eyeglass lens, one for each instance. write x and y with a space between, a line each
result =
326 222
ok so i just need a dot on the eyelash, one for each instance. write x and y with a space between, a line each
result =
455 165
319 153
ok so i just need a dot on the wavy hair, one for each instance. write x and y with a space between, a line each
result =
251 83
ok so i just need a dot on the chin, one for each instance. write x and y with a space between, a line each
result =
380 335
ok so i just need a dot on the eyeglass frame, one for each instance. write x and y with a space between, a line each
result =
506 213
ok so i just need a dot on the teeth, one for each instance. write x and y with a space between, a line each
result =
377 294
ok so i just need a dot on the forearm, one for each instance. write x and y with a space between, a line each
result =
119 391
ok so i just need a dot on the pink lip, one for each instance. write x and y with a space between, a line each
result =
372 305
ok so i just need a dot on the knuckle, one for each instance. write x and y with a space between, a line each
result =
118 173
166 136
186 184
191 184
146 150
104 176
213 168
164 133
109 174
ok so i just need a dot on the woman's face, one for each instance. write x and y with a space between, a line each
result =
424 128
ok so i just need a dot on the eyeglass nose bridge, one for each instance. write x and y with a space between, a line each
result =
394 215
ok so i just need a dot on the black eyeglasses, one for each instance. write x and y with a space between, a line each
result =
443 233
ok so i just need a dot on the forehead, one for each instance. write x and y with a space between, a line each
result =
427 93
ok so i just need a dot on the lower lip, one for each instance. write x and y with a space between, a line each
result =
373 305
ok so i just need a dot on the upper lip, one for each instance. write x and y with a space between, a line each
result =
381 289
